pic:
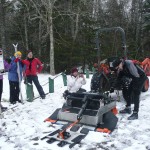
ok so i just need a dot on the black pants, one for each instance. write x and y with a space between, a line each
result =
14 91
133 93
35 80
1 89
66 92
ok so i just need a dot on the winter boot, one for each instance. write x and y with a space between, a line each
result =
19 101
127 110
3 108
133 116
43 96
13 102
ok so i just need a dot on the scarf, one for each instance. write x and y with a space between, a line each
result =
30 60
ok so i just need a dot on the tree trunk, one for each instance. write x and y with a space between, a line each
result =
75 29
76 25
40 35
94 9
2 25
52 69
51 36
26 32
139 25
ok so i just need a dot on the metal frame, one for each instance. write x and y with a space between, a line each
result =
111 30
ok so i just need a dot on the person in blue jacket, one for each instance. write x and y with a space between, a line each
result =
13 77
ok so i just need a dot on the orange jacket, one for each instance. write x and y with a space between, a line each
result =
146 62
146 66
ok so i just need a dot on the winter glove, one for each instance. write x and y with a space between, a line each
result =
65 94
2 71
125 82
16 60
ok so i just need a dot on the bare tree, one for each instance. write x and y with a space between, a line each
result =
47 18
2 24
26 31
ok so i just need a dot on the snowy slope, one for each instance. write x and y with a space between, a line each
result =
23 126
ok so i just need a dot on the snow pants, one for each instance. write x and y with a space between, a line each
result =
14 91
133 93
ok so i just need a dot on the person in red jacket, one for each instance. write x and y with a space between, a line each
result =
33 67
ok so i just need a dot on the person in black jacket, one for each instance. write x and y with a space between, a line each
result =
132 77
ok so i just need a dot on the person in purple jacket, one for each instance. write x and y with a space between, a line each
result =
6 67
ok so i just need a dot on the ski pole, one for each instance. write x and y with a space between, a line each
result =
18 71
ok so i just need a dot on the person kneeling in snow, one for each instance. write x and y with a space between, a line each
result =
126 68
75 82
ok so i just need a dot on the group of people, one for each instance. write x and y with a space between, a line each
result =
125 69
128 72
28 69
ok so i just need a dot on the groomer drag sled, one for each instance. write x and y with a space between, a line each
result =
81 113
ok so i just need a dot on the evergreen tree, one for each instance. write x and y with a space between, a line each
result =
146 27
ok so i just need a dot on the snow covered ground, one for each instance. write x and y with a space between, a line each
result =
22 126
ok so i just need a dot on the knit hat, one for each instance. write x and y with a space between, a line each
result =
95 65
28 51
74 69
116 62
18 53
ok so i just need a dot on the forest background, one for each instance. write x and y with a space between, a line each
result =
62 32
